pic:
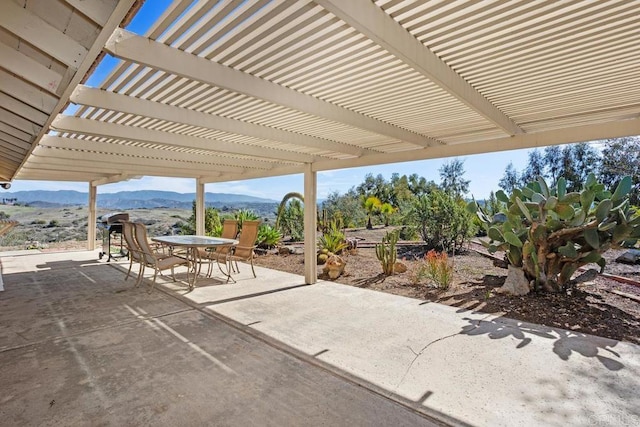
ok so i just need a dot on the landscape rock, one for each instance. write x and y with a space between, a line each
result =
334 267
399 267
290 250
516 282
632 256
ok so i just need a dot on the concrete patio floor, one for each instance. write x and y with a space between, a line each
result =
78 346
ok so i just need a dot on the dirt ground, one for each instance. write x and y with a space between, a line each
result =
601 306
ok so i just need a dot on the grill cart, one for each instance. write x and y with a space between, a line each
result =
111 226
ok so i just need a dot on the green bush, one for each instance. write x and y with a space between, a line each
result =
441 220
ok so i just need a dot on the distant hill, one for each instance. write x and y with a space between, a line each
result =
132 199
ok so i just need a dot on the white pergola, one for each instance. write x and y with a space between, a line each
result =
233 89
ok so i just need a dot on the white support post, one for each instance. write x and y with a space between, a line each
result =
200 208
310 227
93 219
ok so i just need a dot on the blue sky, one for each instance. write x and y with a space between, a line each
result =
484 170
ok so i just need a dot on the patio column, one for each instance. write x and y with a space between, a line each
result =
200 208
310 218
92 220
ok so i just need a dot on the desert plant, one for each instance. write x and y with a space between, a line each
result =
333 240
268 236
387 253
439 269
549 233
291 219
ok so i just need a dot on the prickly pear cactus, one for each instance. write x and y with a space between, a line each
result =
387 253
550 233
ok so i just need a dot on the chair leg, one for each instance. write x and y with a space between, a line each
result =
140 275
153 284
252 269
130 266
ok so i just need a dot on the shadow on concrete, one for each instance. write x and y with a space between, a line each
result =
565 342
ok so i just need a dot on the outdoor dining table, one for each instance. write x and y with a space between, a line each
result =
192 243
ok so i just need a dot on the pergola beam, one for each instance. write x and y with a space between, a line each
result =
113 130
113 178
582 133
23 110
39 33
127 104
18 122
377 25
96 10
88 166
29 69
87 149
26 93
131 47
81 68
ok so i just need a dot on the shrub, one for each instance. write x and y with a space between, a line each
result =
439 269
441 220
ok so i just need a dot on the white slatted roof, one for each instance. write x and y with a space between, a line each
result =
234 89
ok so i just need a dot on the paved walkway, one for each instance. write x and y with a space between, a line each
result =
77 343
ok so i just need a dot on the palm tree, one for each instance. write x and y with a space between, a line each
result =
387 210
372 206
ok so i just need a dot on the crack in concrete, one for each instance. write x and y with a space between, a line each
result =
423 349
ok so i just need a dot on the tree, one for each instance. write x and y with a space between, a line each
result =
375 186
553 163
452 178
418 185
583 160
386 209
347 206
620 157
534 169
371 206
493 205
442 221
510 179
212 224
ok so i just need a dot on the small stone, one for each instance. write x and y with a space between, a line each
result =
516 282
631 256
400 267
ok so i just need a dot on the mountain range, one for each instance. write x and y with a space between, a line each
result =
132 199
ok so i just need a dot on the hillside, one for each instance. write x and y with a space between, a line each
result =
142 199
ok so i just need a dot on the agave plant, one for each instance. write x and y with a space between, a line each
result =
333 240
550 233
268 236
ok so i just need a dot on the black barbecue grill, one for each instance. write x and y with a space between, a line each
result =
111 226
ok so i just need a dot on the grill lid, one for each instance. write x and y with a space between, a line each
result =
114 217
